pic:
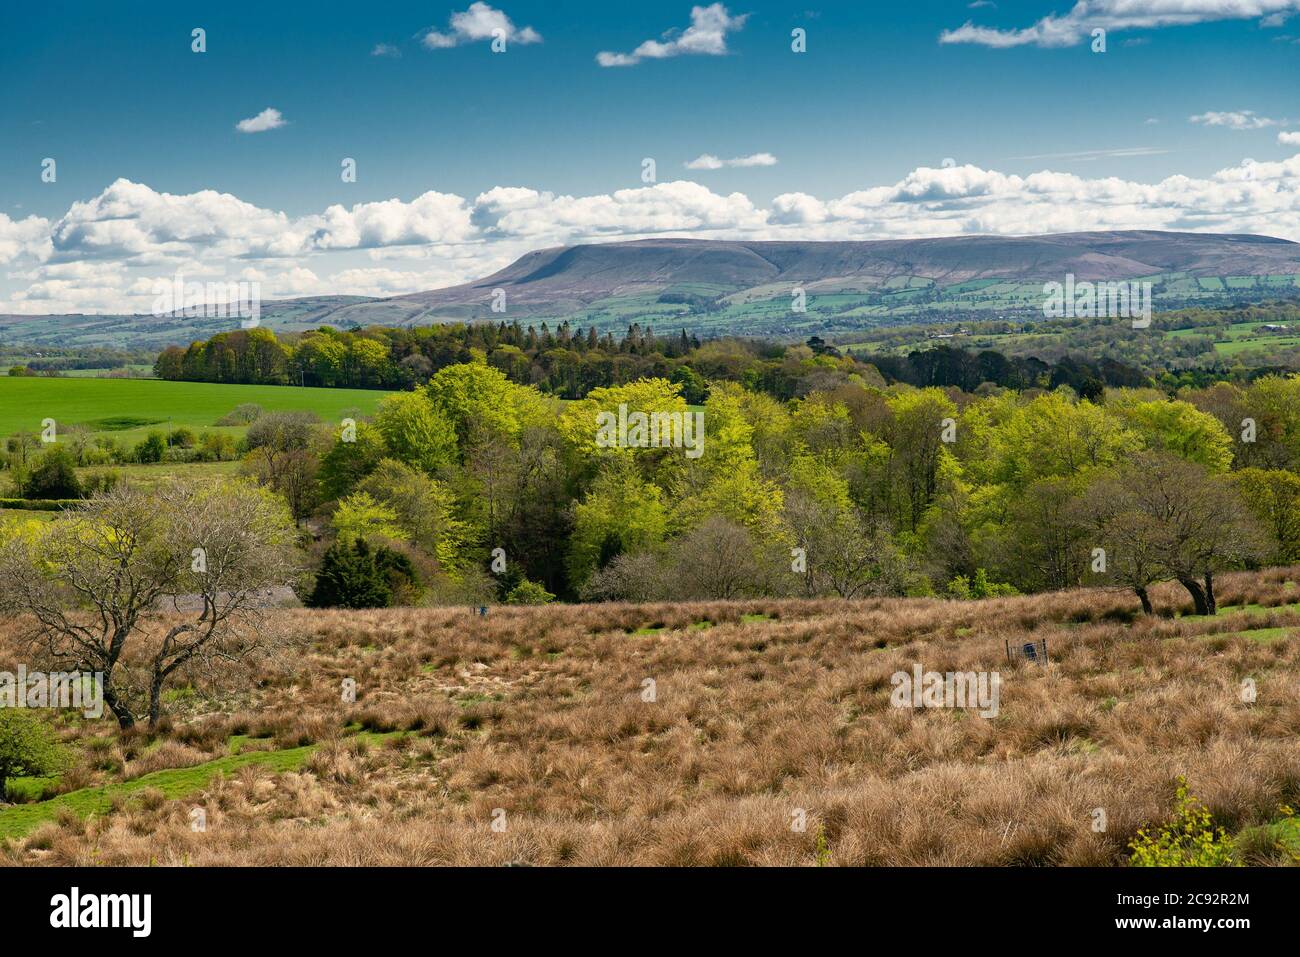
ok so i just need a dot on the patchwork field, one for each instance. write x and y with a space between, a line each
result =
1155 349
699 734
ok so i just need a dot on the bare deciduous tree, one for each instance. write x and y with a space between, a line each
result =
844 554
1169 518
284 453
1130 540
176 573
720 559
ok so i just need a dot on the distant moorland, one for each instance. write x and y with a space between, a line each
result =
720 288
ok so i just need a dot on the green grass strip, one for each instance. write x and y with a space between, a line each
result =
19 819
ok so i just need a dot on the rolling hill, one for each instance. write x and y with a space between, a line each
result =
744 288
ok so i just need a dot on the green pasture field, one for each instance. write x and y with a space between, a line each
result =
1263 342
150 475
1229 340
131 408
1241 337
127 410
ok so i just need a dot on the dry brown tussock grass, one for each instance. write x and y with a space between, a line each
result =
539 712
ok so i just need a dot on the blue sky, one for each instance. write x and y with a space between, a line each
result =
542 144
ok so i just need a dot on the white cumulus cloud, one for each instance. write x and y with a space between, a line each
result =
29 236
269 119
707 35
129 220
1235 120
1085 16
709 161
480 22
429 218
680 206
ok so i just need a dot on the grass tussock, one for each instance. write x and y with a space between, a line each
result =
711 733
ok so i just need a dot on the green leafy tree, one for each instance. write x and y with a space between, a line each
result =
823 427
1045 540
820 481
151 448
345 464
657 399
1273 495
476 398
1053 436
914 436
729 435
360 516
528 593
320 358
1273 404
415 432
53 476
978 587
512 361
1180 428
28 747
621 513
425 511
354 575
742 496
366 362
694 389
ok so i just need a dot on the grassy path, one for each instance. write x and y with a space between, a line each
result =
18 819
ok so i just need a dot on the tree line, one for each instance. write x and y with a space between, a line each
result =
570 363
494 491
473 488
1170 361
